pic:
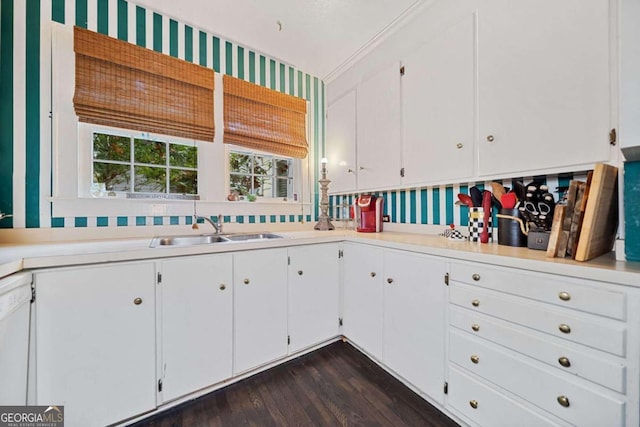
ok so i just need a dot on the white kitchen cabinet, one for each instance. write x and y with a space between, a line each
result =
438 96
362 290
378 129
259 307
314 295
415 297
341 143
196 323
96 341
544 85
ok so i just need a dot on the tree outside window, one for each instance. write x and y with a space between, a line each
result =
260 175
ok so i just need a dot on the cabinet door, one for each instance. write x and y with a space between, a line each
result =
362 314
414 320
438 93
543 84
95 341
196 323
341 143
260 307
379 134
314 279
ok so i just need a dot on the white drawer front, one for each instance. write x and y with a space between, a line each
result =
587 407
602 369
570 293
604 334
487 407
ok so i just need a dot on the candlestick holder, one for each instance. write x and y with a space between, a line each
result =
323 220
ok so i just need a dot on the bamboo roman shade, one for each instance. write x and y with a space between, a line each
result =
123 85
263 119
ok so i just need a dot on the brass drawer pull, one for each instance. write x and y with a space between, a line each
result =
474 359
475 327
475 302
373 274
563 401
473 404
564 361
476 277
389 280
246 281
223 286
137 301
299 272
564 328
564 296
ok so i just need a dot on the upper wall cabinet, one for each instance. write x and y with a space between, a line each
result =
378 129
341 143
543 84
438 95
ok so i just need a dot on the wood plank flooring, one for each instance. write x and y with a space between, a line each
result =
333 386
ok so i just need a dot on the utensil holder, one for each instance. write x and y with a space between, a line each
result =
476 224
512 230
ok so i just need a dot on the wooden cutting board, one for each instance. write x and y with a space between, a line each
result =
600 221
555 238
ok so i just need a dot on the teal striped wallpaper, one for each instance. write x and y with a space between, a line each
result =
25 141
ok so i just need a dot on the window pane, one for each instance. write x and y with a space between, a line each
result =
239 162
282 187
262 165
282 167
263 186
149 152
241 184
111 147
183 156
183 182
115 177
150 180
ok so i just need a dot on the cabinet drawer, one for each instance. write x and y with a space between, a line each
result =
584 406
487 407
570 293
604 334
601 369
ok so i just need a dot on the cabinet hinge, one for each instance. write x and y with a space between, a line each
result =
402 173
339 321
159 278
288 260
446 279
159 385
33 294
613 136
340 253
288 339
446 388
402 70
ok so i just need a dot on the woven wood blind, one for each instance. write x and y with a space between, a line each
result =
263 119
123 85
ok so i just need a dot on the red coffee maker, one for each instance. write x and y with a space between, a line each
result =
368 213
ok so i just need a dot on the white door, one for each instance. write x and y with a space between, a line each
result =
314 283
414 320
260 307
543 84
379 133
438 95
341 143
362 310
197 303
96 341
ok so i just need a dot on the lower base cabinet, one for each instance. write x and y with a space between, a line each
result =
95 341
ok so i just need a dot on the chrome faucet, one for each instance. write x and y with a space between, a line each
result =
4 215
217 224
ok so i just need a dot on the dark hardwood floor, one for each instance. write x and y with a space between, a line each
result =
333 386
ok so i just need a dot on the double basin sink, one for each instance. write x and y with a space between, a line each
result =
207 239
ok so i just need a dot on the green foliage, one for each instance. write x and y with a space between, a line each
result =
111 147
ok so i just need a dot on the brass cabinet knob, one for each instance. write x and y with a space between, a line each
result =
476 277
389 280
564 328
474 359
475 327
361 168
473 404
137 301
299 272
490 138
223 286
349 170
564 361
564 296
475 302
246 281
373 274
459 145
563 401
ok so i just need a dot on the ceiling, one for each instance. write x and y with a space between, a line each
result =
316 36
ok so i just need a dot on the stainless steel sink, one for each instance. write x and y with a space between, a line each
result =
252 236
202 239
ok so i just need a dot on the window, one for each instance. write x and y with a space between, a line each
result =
127 164
261 175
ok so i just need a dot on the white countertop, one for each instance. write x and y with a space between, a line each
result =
14 258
